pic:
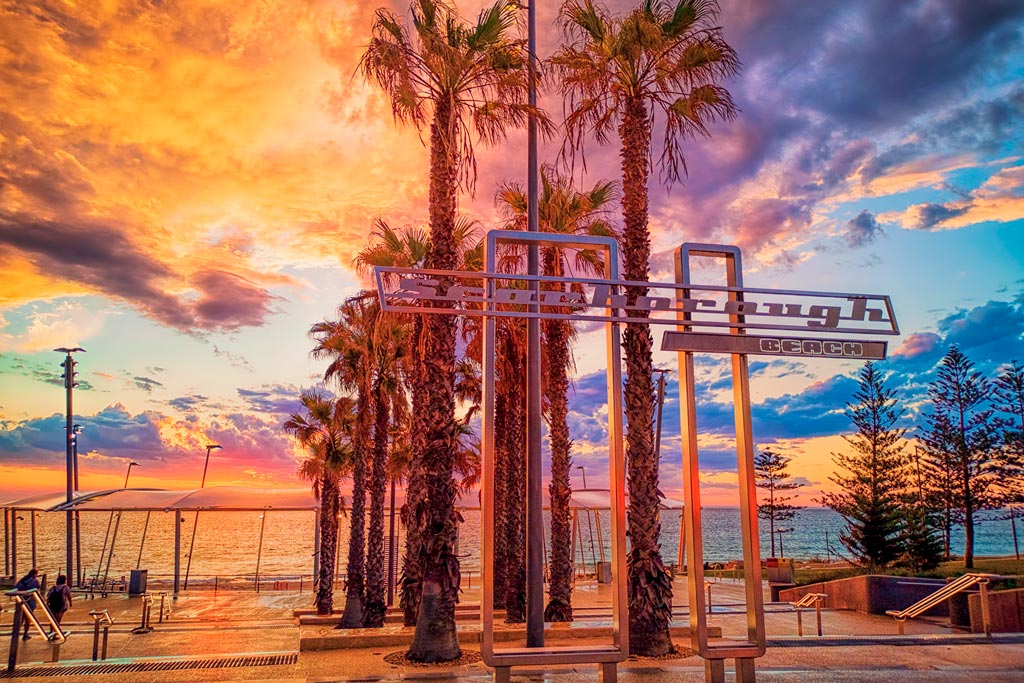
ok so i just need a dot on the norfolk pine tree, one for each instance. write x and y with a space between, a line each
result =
771 474
872 477
970 435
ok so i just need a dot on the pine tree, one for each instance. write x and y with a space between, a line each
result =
922 547
968 432
771 475
870 488
1008 398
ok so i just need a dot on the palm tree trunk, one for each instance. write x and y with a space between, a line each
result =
501 556
435 638
328 545
355 584
376 609
515 500
556 362
650 584
410 599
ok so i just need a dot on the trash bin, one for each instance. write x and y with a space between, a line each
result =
137 581
604 572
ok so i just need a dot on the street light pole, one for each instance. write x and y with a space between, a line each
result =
534 472
69 364
202 485
75 431
117 523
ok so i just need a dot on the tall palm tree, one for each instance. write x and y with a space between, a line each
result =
565 210
409 247
614 75
389 355
456 76
325 430
348 343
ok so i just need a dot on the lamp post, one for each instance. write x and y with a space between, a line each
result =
202 484
129 472
583 473
69 364
75 431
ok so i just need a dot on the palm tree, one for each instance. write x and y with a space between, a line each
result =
325 430
390 353
409 247
457 76
348 343
614 75
561 209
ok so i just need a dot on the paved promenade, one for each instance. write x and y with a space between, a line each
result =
233 635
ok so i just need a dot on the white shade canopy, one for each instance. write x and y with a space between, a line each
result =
227 498
43 502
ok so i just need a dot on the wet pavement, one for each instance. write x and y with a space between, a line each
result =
206 634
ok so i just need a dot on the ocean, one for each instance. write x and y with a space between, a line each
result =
227 544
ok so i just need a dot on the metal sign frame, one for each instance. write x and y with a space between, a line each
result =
716 651
606 656
758 308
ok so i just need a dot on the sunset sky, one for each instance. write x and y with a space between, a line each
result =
183 186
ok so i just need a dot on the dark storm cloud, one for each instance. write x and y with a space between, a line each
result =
863 229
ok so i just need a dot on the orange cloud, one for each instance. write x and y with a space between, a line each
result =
149 152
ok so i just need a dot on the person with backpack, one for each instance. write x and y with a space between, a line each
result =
58 599
27 583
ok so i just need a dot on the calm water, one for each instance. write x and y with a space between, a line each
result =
227 543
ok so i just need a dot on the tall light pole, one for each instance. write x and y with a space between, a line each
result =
69 364
583 473
534 473
202 484
129 472
75 431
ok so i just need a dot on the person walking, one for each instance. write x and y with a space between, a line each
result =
27 583
58 599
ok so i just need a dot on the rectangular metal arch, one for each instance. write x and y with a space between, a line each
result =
618 650
754 645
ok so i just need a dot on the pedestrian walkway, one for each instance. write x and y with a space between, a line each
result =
235 635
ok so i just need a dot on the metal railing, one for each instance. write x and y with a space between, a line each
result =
22 610
100 619
946 592
808 600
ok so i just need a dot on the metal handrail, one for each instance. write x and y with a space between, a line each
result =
946 592
808 600
58 636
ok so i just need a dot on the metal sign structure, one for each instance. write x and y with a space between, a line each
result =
730 312
801 347
606 656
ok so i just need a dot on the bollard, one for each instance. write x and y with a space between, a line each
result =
163 598
147 606
98 619
986 621
817 610
707 585
800 622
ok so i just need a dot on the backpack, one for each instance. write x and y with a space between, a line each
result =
55 600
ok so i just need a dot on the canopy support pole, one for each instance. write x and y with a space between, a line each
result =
145 528
14 544
316 546
177 552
